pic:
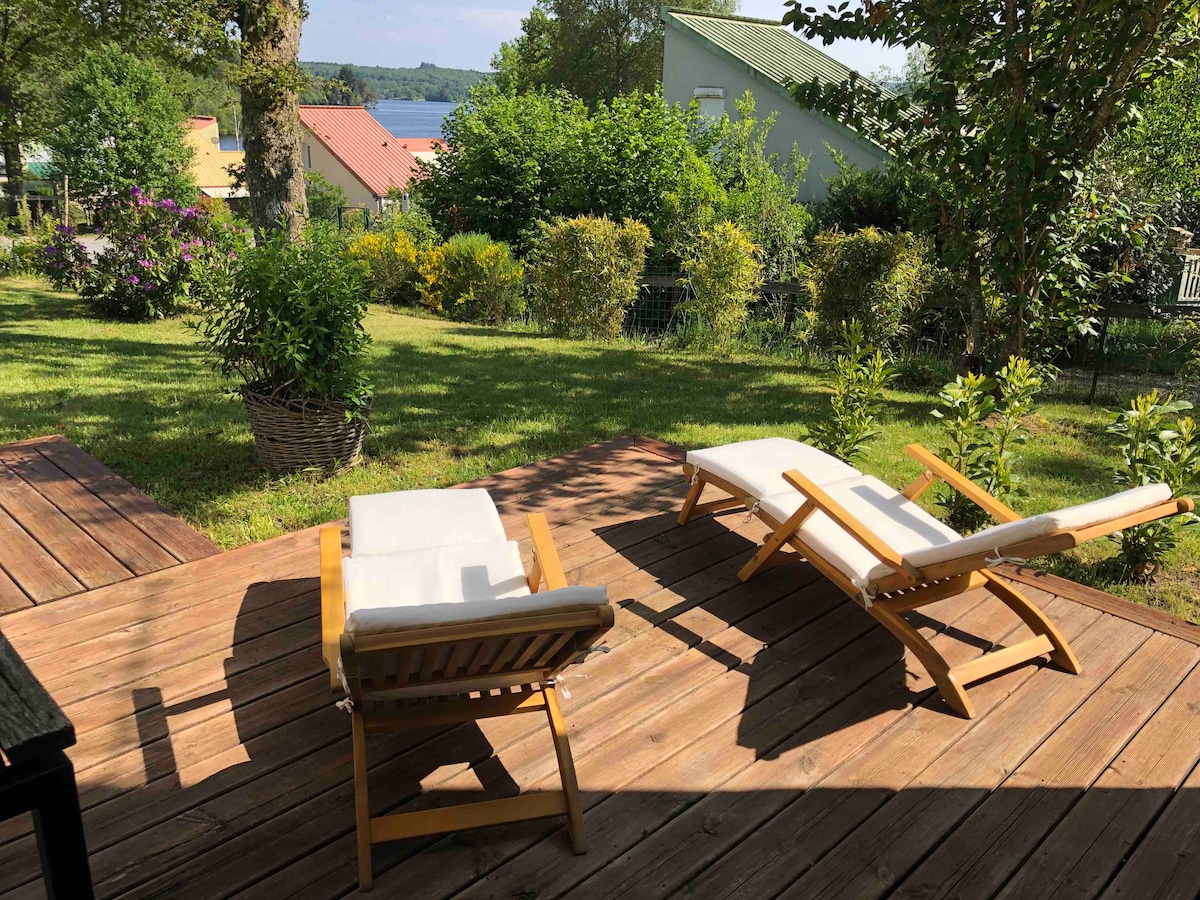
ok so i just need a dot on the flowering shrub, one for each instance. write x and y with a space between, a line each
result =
391 260
62 259
472 278
161 257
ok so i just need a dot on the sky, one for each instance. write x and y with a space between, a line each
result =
463 34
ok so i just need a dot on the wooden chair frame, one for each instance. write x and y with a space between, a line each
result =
476 670
912 587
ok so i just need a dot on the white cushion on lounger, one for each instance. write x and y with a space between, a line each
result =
413 520
898 522
923 540
1073 518
757 467
448 585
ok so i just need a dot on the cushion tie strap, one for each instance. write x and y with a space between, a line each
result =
867 592
1000 559
345 705
695 479
751 512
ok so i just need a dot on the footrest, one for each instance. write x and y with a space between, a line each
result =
468 816
999 660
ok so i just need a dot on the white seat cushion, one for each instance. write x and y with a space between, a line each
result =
900 523
1073 518
757 467
414 520
923 540
448 585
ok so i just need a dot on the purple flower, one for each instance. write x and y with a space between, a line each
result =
168 204
187 257
232 255
133 279
65 229
191 212
149 286
57 264
146 263
49 249
135 192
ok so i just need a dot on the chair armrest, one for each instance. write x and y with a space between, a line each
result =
333 600
545 558
851 525
961 483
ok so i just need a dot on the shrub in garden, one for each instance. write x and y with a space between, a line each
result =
723 273
984 433
323 197
585 275
870 275
391 260
472 278
62 259
860 374
1160 446
291 326
161 257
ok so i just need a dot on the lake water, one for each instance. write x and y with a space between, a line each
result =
412 118
403 118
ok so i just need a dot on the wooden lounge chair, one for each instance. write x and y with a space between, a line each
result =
432 621
891 556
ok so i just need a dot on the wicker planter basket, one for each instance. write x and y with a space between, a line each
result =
292 435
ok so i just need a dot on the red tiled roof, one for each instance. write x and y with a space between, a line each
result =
201 121
421 145
362 145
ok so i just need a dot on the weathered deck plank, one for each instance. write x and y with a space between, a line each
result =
69 524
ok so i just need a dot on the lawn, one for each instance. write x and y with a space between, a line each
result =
453 403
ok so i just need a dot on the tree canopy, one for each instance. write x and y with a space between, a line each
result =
595 49
1015 100
121 128
425 82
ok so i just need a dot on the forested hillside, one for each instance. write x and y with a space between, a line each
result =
426 82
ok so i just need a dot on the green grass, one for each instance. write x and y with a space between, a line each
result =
454 403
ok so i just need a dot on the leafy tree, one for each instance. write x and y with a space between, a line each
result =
501 173
760 189
516 160
346 88
1015 102
1160 149
122 128
596 49
323 196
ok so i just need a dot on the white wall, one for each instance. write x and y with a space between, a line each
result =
688 65
328 165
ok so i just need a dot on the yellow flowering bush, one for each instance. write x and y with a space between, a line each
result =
471 278
391 259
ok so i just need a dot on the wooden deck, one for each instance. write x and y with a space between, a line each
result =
68 524
757 740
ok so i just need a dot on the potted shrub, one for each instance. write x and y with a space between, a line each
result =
290 332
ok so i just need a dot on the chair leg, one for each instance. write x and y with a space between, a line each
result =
362 812
566 769
935 664
1062 655
689 504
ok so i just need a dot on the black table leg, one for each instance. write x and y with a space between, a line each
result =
59 827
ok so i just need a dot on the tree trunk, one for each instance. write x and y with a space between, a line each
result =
10 146
972 362
270 79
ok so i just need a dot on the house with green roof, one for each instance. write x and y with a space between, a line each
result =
715 59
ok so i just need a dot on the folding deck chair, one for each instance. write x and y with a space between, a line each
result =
432 620
891 556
